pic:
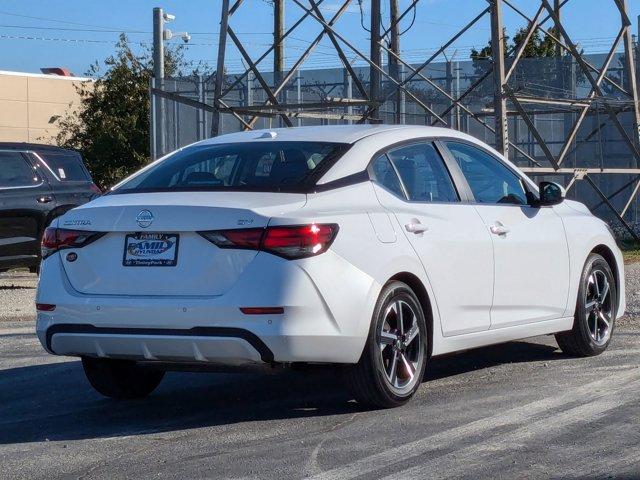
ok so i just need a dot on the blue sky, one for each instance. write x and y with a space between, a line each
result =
74 33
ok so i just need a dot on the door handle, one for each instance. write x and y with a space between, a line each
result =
499 229
416 227
44 199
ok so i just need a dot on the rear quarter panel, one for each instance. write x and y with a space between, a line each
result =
350 281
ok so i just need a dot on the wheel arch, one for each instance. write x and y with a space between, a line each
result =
421 292
605 252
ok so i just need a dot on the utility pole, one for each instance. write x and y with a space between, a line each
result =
217 89
394 67
278 51
158 81
374 73
499 100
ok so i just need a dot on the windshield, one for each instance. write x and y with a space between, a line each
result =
259 166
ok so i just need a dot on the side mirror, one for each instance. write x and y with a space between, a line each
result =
550 194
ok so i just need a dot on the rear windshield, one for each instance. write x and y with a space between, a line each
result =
259 166
67 166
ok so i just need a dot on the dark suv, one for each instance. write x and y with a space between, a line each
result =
37 184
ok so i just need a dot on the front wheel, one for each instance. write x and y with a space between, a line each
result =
595 311
121 379
392 364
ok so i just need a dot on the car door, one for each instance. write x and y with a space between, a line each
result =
413 182
530 246
24 200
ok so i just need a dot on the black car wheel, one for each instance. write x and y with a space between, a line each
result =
392 364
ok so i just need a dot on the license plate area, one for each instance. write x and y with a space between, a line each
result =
150 250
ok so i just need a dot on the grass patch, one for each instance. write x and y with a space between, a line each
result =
630 251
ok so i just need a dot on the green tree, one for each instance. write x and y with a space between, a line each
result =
111 126
537 46
486 53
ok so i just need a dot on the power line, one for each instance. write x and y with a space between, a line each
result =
93 30
54 20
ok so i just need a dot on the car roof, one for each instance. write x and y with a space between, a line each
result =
328 133
38 147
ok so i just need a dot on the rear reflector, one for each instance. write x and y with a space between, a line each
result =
262 310
291 242
45 307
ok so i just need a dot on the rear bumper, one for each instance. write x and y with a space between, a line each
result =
320 323
232 346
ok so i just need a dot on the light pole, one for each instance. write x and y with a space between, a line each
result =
160 35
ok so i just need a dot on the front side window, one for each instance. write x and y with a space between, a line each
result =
259 166
423 173
15 171
489 179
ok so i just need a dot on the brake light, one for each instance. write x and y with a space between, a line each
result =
291 242
55 239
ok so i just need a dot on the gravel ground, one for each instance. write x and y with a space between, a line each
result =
632 317
17 294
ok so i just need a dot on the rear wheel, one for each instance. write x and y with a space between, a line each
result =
392 364
595 311
121 379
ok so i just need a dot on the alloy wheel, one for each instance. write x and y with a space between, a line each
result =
401 346
598 307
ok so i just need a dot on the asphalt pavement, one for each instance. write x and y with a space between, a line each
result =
518 410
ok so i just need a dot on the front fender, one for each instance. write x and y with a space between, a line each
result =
586 233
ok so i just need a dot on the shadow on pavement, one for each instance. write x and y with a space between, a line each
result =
55 402
486 357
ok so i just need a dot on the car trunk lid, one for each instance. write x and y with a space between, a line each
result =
152 248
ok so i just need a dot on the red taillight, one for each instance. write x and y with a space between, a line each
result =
298 241
45 307
55 239
95 189
244 238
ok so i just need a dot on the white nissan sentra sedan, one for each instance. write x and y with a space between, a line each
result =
372 247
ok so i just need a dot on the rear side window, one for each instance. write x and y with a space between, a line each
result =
259 166
15 171
423 173
66 165
383 173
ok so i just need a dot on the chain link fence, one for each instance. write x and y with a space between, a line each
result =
598 143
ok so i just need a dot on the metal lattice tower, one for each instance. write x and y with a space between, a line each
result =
390 84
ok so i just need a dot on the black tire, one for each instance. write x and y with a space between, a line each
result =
34 269
369 379
121 379
580 341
